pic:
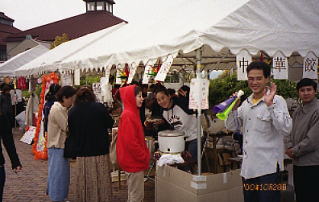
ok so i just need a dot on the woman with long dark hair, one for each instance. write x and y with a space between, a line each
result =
50 98
178 115
88 141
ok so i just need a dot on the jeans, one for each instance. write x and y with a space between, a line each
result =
2 180
191 147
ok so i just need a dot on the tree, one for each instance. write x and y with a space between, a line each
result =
59 40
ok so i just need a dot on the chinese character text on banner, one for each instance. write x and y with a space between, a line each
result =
280 66
310 66
198 95
243 59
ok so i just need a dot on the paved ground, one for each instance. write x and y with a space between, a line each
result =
30 184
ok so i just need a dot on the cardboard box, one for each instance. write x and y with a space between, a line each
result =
174 185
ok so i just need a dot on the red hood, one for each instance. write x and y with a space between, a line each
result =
132 152
129 99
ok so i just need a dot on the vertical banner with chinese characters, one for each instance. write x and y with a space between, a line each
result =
161 75
280 66
243 59
198 95
133 68
146 75
310 66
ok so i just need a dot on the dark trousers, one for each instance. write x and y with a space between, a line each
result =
2 180
305 180
263 189
191 147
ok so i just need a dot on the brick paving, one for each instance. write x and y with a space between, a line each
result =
30 184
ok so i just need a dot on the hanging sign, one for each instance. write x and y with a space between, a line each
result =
280 66
161 75
119 74
310 66
133 68
146 75
77 75
243 59
106 90
96 87
66 80
198 95
107 74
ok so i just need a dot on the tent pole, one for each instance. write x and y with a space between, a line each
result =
199 112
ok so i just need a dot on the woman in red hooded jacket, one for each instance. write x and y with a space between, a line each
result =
133 155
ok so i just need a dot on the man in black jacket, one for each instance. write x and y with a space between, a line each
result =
6 136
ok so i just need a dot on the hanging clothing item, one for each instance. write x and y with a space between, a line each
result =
22 83
32 106
16 96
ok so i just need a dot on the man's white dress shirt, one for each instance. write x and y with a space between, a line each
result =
263 131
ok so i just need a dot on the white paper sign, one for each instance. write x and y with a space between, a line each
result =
310 66
198 96
96 87
77 75
28 135
119 69
106 89
66 80
161 75
148 66
133 68
243 59
280 66
107 73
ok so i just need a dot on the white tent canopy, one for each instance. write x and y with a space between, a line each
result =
63 51
7 68
254 25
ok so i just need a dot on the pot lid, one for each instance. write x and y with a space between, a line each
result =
170 133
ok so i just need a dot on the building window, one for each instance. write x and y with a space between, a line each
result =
100 6
3 53
6 22
91 6
107 6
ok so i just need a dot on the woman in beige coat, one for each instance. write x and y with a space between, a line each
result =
58 166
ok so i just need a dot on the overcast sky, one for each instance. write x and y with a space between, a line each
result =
32 13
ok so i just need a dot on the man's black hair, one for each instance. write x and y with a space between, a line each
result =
307 82
260 66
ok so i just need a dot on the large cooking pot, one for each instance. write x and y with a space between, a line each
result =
171 141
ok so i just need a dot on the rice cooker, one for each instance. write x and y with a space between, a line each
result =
171 141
